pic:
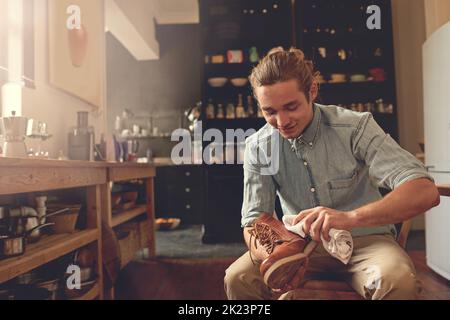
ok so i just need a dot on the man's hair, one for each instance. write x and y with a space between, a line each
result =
281 65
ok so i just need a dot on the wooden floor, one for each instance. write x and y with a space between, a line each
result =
434 287
203 280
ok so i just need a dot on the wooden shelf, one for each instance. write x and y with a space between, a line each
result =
127 215
91 294
46 250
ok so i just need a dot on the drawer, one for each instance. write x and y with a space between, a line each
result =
183 174
184 191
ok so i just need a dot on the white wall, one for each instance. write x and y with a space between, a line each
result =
51 105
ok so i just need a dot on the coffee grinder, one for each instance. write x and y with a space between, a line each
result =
81 139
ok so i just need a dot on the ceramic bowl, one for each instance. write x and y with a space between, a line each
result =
239 82
217 82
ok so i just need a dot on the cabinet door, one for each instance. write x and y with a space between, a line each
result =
179 193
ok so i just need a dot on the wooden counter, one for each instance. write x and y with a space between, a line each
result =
23 175
30 175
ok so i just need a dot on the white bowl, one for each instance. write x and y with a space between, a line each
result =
217 82
239 82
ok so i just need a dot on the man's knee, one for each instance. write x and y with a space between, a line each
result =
233 277
243 283
396 281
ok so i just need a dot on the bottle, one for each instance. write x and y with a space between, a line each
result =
260 114
118 125
240 111
231 112
250 108
253 55
220 114
210 114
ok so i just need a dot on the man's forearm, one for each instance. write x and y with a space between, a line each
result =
407 201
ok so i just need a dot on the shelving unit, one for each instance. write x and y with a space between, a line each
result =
46 250
19 176
125 172
240 25
124 216
334 34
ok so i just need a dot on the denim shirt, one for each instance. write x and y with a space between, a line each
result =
340 161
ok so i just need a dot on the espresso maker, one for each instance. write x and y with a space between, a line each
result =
14 131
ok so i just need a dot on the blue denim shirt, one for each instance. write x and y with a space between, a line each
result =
340 161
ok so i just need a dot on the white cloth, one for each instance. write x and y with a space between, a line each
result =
340 246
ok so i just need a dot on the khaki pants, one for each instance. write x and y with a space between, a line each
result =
378 269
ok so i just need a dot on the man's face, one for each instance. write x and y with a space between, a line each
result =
286 108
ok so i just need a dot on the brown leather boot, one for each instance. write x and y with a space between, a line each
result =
288 252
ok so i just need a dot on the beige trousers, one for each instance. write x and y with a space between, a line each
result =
378 269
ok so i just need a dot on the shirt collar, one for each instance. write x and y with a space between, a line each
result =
308 137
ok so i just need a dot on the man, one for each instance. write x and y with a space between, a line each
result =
332 163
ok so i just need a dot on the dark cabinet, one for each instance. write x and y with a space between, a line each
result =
207 195
179 193
222 218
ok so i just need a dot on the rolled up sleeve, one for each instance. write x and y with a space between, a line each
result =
259 191
389 164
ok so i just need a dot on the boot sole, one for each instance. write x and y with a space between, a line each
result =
282 271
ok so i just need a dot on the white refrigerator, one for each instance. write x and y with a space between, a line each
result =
436 76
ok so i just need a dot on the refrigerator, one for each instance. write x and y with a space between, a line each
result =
436 76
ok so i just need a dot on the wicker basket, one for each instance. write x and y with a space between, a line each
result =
65 222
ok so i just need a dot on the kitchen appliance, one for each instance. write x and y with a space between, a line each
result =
14 245
81 139
14 131
436 67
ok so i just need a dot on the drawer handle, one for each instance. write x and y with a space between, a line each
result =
188 174
188 206
187 190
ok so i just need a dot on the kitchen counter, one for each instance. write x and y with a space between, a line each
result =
29 162
167 162
21 175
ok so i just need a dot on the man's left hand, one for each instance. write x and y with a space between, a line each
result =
319 221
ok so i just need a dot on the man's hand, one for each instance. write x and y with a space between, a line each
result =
319 221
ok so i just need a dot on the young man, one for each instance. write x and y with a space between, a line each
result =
331 165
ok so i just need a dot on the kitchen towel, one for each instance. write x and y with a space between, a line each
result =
340 246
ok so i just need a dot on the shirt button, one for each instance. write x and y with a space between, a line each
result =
313 190
305 163
311 144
